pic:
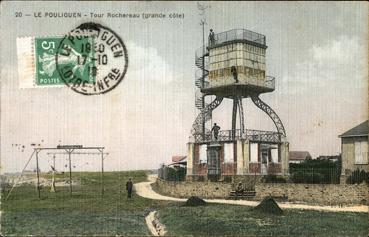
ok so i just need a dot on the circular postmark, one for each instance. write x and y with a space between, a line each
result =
92 59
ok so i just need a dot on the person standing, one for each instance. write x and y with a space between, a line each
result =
129 187
211 37
234 73
215 131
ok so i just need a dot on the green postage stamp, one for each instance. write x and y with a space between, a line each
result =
37 61
91 59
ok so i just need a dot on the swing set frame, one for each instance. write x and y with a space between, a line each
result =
69 150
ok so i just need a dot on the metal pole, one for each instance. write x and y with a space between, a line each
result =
102 171
20 175
70 170
234 116
242 119
38 175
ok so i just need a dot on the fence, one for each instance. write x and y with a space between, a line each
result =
239 34
233 135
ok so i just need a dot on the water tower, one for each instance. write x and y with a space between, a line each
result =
232 66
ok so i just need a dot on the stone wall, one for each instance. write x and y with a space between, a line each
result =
327 194
324 194
187 188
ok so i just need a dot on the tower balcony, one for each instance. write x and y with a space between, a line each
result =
234 135
245 87
238 35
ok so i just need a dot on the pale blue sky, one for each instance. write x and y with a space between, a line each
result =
316 50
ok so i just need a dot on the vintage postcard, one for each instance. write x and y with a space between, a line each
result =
171 118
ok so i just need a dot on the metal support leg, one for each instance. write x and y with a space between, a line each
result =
270 112
70 171
20 175
205 114
242 120
38 175
102 172
234 117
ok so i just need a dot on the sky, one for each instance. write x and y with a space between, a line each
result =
317 51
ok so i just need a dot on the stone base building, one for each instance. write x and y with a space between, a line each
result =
225 158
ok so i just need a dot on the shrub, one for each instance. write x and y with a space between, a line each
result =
308 177
227 179
358 176
172 174
316 171
298 177
273 179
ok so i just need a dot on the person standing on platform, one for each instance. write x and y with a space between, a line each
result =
234 73
215 131
211 37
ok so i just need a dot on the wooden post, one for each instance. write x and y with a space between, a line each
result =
38 175
102 171
70 170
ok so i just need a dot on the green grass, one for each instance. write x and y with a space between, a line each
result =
217 219
85 213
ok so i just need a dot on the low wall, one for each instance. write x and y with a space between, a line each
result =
324 194
187 188
327 194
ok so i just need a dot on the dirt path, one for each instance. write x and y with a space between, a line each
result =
144 190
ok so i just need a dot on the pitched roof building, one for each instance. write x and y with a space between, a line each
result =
360 130
354 148
299 156
178 158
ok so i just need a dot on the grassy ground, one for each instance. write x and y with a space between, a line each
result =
241 220
85 213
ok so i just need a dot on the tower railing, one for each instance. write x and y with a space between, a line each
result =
238 34
233 135
270 82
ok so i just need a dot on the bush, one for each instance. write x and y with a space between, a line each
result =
172 174
358 176
273 179
316 171
227 179
297 177
308 177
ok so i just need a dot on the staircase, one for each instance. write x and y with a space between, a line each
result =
200 82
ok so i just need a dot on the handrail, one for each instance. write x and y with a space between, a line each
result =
238 34
270 82
233 135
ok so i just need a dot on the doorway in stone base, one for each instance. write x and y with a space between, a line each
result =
264 160
268 154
